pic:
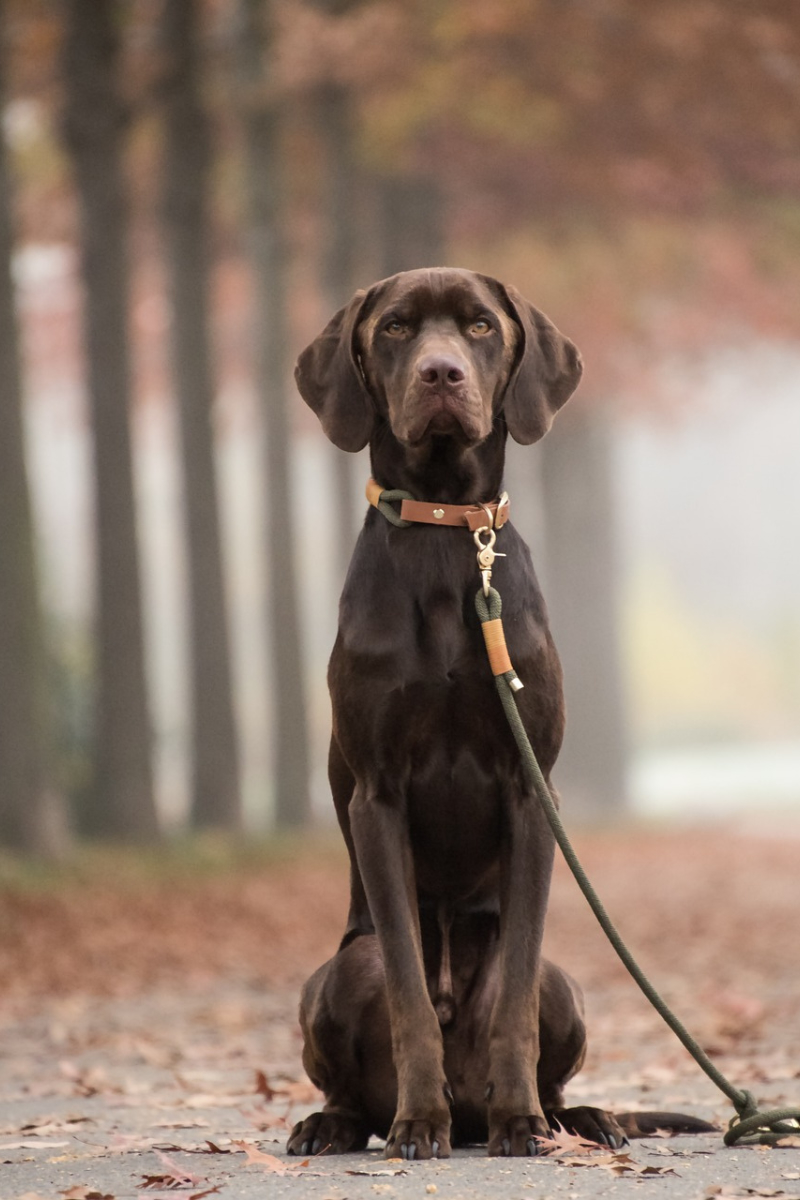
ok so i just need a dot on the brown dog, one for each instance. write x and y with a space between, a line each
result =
437 1021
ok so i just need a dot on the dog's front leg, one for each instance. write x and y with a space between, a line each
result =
421 1127
515 1113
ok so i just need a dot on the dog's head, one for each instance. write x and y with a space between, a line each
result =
437 352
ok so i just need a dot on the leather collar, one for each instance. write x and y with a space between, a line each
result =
425 512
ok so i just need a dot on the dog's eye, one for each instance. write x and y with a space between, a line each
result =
394 327
480 326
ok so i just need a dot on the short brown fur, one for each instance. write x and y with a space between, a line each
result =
437 1021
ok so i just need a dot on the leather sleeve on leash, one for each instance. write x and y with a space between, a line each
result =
496 648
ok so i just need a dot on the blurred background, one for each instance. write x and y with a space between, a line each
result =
189 189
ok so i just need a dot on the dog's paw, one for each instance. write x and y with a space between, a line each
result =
327 1133
419 1139
517 1137
594 1124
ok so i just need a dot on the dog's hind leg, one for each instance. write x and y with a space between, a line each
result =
342 784
563 1049
347 1052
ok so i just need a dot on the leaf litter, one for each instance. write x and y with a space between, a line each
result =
200 1013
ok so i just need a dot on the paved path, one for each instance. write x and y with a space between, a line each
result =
100 1096
131 1044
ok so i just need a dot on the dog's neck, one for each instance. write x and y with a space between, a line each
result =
442 468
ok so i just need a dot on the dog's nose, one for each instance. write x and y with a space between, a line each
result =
441 370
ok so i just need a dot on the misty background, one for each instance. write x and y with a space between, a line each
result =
633 168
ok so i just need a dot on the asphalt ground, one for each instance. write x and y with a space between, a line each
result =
185 1079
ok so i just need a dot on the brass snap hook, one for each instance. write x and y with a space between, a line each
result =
486 554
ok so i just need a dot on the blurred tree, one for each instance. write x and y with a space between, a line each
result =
23 756
268 257
335 122
94 125
335 126
582 570
215 799
411 224
571 123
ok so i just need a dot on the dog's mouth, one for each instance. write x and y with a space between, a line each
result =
446 415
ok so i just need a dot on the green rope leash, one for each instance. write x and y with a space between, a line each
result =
749 1126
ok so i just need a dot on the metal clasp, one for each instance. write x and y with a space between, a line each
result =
486 554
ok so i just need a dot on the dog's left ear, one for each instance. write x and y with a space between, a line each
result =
329 378
546 371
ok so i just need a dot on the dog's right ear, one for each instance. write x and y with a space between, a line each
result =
329 378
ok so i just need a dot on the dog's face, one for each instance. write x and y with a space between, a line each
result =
436 349
438 352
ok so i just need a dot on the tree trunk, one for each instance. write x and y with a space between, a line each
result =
215 799
22 735
268 258
334 123
410 224
582 580
94 126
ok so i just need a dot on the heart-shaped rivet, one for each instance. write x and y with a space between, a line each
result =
438 513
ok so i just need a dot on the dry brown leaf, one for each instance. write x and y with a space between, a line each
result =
45 1126
620 1163
173 1177
264 1088
730 1191
85 1083
82 1192
209 1100
186 1123
29 1145
385 1171
563 1143
270 1162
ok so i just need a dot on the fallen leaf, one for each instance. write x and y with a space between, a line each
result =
730 1191
270 1162
385 1171
186 1123
263 1087
82 1192
563 1143
48 1125
37 1145
209 1100
173 1177
617 1164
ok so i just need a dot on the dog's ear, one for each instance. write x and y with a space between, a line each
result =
547 369
329 378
